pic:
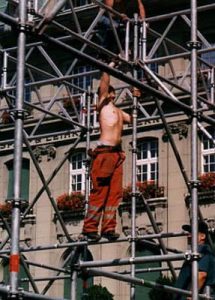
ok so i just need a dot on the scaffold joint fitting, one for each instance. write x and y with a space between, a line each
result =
194 45
194 183
136 194
19 113
16 295
27 27
134 150
191 256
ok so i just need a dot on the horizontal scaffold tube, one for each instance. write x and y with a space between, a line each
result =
130 261
142 282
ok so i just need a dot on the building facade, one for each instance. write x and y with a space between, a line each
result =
60 125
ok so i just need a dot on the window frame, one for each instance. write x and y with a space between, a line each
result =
149 160
77 171
207 152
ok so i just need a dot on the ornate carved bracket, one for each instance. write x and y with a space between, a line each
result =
178 128
48 150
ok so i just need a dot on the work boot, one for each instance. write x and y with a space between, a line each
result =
110 235
92 236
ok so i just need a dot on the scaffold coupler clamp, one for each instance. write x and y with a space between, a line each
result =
191 256
25 27
194 45
16 295
19 113
194 183
136 195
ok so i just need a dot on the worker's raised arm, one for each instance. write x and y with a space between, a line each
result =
103 90
103 87
142 11
109 3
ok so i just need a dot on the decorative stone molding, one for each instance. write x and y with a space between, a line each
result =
28 222
48 150
158 209
204 198
26 228
73 223
177 128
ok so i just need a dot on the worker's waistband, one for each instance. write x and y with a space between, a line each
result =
109 148
104 149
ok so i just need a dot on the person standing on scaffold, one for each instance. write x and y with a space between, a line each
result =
107 166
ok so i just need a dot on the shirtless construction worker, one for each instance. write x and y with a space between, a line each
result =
106 171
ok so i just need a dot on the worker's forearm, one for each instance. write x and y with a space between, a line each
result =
109 3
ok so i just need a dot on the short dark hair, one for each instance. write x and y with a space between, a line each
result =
110 89
202 227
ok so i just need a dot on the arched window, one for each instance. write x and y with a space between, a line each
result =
24 179
77 171
82 283
208 152
143 249
147 159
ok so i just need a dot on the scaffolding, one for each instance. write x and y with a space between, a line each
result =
44 29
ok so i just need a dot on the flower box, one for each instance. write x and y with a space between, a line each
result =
206 189
6 209
204 198
73 202
207 182
148 189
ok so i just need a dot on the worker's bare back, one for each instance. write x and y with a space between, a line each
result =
111 124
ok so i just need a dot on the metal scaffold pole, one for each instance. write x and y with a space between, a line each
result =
18 141
194 150
134 161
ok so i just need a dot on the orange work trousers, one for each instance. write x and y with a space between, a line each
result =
106 193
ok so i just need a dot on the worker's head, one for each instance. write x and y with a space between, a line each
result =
111 92
202 231
136 92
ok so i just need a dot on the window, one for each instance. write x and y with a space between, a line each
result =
24 179
77 172
81 283
147 160
143 249
209 57
208 153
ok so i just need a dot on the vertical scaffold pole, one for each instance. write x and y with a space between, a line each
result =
4 71
88 158
212 85
19 117
134 160
194 150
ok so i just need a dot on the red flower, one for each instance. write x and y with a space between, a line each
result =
207 181
6 208
149 189
71 202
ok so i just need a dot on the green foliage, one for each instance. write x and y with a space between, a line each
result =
97 292
158 294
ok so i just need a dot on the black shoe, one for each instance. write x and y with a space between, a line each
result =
92 236
110 235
